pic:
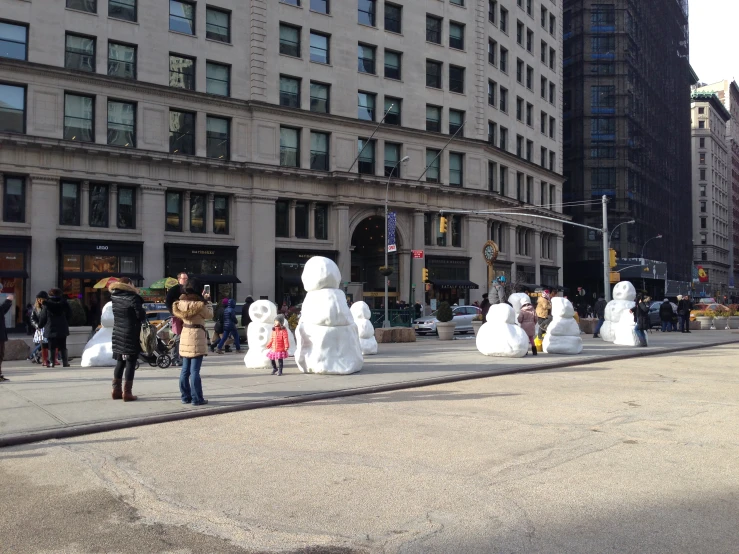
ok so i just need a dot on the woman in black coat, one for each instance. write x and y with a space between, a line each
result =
128 314
641 318
54 318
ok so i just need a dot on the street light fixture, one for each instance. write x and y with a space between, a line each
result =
645 245
386 323
610 238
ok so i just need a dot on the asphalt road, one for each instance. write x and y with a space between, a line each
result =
636 456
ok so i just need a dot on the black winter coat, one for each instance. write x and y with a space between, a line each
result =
4 308
665 311
54 318
245 317
173 295
484 308
641 316
684 307
128 313
600 308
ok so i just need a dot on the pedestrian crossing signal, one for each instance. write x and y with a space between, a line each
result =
425 275
442 225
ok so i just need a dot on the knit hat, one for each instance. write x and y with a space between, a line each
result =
545 294
281 319
224 301
43 294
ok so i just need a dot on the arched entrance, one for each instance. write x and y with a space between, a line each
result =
368 255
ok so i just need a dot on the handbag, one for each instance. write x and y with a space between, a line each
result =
148 338
38 336
176 325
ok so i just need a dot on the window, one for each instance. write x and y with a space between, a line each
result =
503 60
291 2
543 123
79 53
392 157
552 196
523 241
519 146
552 160
704 256
433 29
702 190
433 118
492 132
289 40
456 169
456 120
529 190
457 2
182 17
529 114
217 25
181 72
492 9
121 124
603 45
543 52
126 209
290 92
543 156
491 92
702 143
366 165
83 5
289 147
702 174
503 181
552 24
529 9
457 233
220 215
319 151
320 6
121 60
13 41
603 14
529 77
98 208
392 116
433 163
319 48
701 111
321 221
181 132
366 106
492 176
366 59
503 99
552 58
529 40
282 218
13 109
393 16
392 64
366 12
69 205
603 98
14 200
519 70
520 191
552 126
456 36
173 202
217 79
456 79
301 220
702 158
319 97
703 206
122 9
492 52
519 108
217 133
552 88
703 223
433 74
701 124
503 138
79 115
198 211
543 194
504 20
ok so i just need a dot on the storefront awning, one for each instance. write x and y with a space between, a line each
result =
12 274
461 284
216 279
96 276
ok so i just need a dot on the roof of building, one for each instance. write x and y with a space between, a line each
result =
714 101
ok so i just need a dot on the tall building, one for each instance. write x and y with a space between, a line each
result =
231 140
711 194
627 136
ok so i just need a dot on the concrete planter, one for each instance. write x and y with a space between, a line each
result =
445 330
704 322
694 326
734 322
477 324
720 322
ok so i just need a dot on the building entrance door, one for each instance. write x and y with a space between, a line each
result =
368 255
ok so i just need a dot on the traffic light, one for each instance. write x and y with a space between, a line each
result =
612 257
442 225
425 275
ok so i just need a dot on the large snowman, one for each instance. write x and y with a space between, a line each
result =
328 339
500 336
361 313
563 333
262 314
517 300
618 326
98 351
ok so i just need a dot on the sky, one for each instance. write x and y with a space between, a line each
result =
713 43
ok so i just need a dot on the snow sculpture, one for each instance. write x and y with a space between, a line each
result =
517 300
262 314
563 333
618 326
361 313
328 338
500 336
98 351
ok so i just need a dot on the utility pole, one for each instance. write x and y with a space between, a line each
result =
606 256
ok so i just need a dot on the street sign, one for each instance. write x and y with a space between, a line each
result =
392 248
417 254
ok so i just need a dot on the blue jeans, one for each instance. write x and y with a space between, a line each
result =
667 326
598 325
233 332
191 388
684 323
642 336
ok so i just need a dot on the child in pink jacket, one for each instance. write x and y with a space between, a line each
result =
527 319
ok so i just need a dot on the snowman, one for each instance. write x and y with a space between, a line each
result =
328 338
98 351
618 316
563 333
517 300
263 314
500 336
361 313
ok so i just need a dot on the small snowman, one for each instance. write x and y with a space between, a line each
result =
500 336
98 351
563 333
517 300
619 321
328 338
361 313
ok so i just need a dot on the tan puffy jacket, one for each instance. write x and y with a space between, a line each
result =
543 307
192 310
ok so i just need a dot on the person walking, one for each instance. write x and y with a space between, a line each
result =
173 295
193 309
278 345
497 292
544 312
527 319
245 317
665 315
218 324
54 318
128 314
684 305
38 336
4 309
230 328
600 312
485 306
641 318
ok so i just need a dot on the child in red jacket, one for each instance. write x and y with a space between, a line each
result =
278 345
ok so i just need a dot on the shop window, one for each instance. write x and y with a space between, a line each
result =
220 215
217 138
218 79
174 211
290 92
127 264
99 205
366 163
457 231
289 147
392 157
126 208
182 17
72 263
290 40
121 60
79 53
301 220
13 40
433 165
14 200
181 133
198 209
101 264
69 205
321 221
282 218
181 72
217 25
320 97
122 9
79 115
121 124
319 151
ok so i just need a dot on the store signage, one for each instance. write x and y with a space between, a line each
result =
392 248
101 247
205 252
417 254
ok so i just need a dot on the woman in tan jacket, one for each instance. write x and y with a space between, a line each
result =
544 312
193 309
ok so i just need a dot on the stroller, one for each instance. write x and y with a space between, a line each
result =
162 355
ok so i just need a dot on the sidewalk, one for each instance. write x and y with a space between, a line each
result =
40 404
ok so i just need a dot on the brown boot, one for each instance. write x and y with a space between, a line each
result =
127 395
117 389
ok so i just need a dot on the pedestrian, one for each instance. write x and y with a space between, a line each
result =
245 317
544 312
173 295
193 309
4 309
128 314
665 315
684 305
641 318
27 319
54 318
527 320
600 312
38 336
218 324
485 307
418 309
497 292
230 327
278 345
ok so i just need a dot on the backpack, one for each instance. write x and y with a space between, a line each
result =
148 338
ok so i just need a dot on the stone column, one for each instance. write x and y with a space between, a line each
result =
262 247
477 234
312 222
560 258
537 256
240 228
418 264
42 266
404 275
113 206
512 249
150 214
291 217
343 241
85 204
186 212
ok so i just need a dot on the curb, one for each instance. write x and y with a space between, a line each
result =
69 432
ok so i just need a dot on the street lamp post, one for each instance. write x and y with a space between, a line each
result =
645 245
404 159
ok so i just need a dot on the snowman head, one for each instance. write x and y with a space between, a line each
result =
263 311
561 307
518 299
624 291
501 313
320 273
106 316
360 310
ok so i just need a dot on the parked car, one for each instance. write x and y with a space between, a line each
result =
718 308
462 317
654 319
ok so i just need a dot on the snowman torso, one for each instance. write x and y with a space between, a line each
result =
500 336
563 333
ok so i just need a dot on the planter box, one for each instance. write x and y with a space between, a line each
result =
477 324
695 326
720 322
704 323
395 334
587 325
445 330
734 322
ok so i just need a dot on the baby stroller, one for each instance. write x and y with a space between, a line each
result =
162 355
